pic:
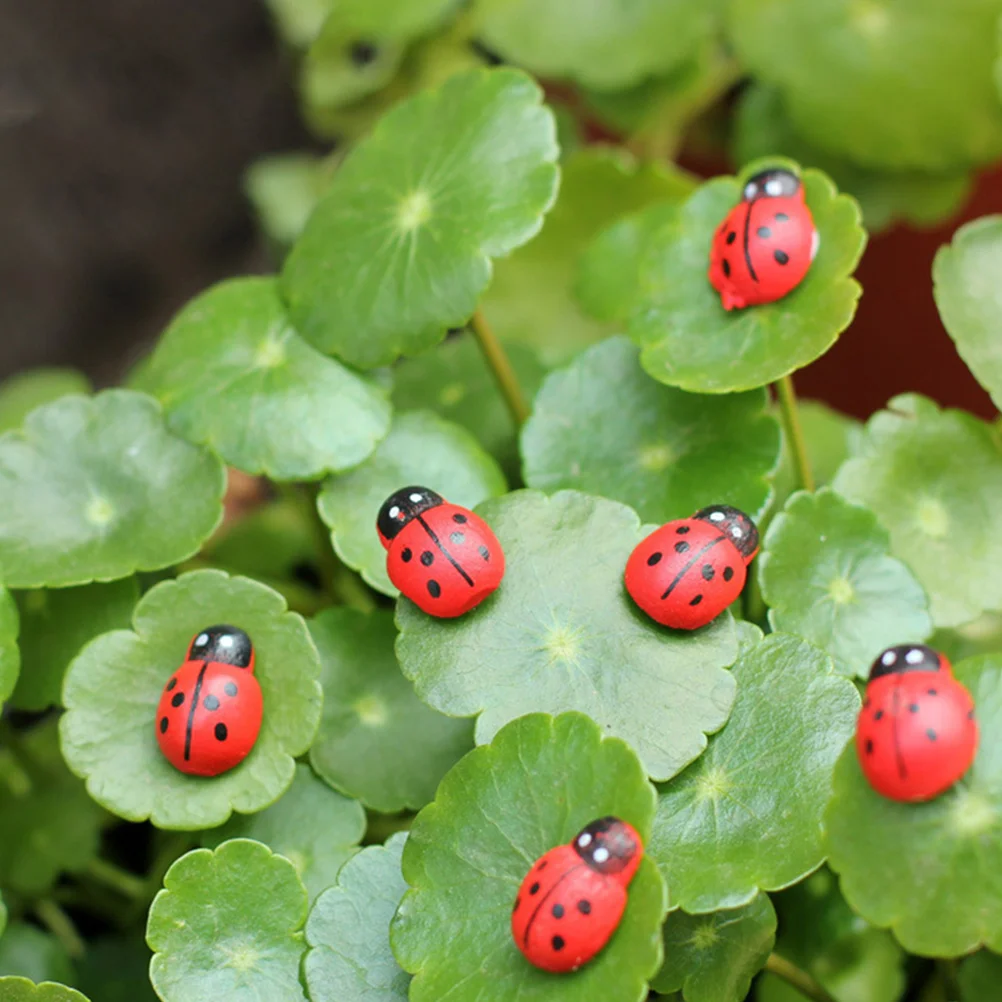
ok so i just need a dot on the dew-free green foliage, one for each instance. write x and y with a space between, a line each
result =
980 977
561 633
14 989
21 394
228 924
10 655
377 741
468 852
117 752
602 425
826 575
27 952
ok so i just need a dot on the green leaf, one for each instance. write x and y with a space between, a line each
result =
283 189
827 576
55 625
371 714
532 297
602 425
298 21
116 969
348 931
23 990
713 958
921 198
930 475
980 978
689 339
967 294
313 827
399 248
22 393
3 916
931 872
841 65
212 939
92 485
606 46
27 952
747 815
420 449
10 655
111 742
562 634
455 381
468 852
232 374
48 824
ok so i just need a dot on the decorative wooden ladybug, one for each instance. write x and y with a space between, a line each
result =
687 572
572 899
916 734
210 711
441 556
762 250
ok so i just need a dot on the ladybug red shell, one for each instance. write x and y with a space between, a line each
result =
572 899
763 249
687 572
441 556
916 734
210 711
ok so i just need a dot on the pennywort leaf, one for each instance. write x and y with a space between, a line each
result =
22 393
16 989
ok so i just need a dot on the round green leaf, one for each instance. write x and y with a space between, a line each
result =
689 340
348 931
111 742
747 815
930 476
283 190
420 449
23 990
232 374
562 634
535 786
55 625
965 276
531 298
27 952
713 958
97 487
602 425
10 654
398 250
841 64
827 576
606 46
371 714
922 198
313 827
980 978
932 872
228 925
22 393
454 381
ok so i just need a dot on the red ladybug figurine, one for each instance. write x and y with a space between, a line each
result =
441 556
762 250
916 734
572 899
210 711
687 572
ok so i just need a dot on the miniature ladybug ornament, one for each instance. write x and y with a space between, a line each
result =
572 899
686 573
916 734
210 710
763 249
441 556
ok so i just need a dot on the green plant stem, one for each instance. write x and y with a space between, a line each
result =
381 826
798 978
127 884
790 415
61 926
755 607
501 367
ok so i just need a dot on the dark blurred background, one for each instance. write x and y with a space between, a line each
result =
125 127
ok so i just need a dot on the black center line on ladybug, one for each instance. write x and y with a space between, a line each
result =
191 712
445 553
688 567
544 899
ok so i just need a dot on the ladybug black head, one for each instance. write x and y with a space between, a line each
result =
735 525
607 845
224 644
908 657
402 506
776 183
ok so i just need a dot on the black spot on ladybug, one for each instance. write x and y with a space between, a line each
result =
534 889
879 715
913 708
164 724
427 558
930 734
221 732
518 901
584 907
682 530
764 232
726 265
457 538
406 555
542 865
654 558
484 552
210 703
434 589
459 518
869 747
178 699
932 692
696 600
558 942
558 911
681 547
781 257
708 572
781 217
171 684
363 53
731 237
728 573
230 688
